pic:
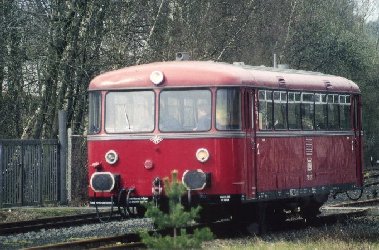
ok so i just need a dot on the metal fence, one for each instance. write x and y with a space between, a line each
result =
29 172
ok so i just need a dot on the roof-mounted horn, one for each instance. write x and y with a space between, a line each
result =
182 56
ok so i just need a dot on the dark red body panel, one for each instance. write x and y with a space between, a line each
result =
284 163
226 161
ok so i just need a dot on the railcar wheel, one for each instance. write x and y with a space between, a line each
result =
310 211
276 216
355 194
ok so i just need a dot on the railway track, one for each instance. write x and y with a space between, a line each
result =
222 230
47 223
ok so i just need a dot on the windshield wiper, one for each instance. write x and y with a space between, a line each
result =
127 118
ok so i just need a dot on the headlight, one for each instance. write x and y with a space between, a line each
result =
111 157
196 179
202 155
103 181
156 77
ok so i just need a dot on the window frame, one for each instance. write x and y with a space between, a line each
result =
129 91
240 125
99 95
315 98
195 107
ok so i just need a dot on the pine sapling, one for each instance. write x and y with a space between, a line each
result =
176 219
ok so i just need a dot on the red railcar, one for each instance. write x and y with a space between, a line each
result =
239 136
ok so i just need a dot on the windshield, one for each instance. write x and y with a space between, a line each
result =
185 110
131 111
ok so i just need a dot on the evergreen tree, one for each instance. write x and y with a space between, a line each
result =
175 219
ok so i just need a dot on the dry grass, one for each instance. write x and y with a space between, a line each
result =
355 233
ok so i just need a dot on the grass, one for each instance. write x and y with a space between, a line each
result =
355 233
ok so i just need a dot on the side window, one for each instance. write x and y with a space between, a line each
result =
294 117
321 112
280 109
94 116
307 110
228 109
265 109
345 112
333 111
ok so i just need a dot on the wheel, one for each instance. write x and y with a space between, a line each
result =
355 194
310 210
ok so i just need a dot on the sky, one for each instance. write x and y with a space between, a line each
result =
375 11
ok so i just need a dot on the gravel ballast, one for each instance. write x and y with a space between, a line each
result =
51 236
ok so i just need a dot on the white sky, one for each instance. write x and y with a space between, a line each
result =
373 9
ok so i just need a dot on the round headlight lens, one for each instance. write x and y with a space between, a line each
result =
202 155
111 157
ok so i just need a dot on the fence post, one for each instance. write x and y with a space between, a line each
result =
62 119
69 165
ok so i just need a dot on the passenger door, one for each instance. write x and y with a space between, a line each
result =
250 109
357 142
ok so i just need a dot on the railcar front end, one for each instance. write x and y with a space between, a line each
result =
138 137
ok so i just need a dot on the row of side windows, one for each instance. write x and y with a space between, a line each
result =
281 110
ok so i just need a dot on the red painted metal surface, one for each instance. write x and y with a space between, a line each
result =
225 163
284 163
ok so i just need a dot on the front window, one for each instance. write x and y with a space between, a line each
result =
130 111
228 109
94 115
185 110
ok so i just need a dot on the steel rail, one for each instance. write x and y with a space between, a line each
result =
133 239
46 223
374 201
